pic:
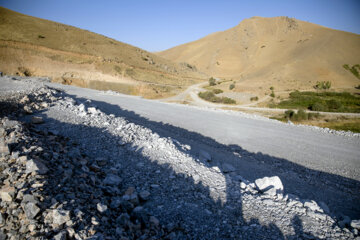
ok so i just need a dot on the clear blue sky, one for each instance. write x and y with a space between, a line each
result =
156 25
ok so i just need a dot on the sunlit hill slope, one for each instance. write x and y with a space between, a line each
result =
37 47
282 52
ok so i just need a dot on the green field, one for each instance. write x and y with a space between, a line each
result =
321 101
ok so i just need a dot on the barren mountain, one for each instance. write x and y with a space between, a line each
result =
38 47
282 52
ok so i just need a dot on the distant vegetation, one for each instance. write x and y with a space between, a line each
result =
352 125
217 91
211 97
300 115
324 85
254 98
232 86
321 101
354 69
338 123
212 81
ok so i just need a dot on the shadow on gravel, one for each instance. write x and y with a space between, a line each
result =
179 200
341 194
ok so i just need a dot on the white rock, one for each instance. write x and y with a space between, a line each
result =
312 205
4 149
36 166
92 110
60 236
270 185
101 207
57 217
7 194
355 224
242 185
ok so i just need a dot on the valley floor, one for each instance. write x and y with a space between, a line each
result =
200 165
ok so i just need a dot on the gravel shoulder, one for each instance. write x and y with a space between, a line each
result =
202 167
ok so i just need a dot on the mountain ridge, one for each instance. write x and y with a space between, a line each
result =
260 51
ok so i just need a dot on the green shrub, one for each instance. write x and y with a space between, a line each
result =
354 69
318 106
207 95
210 96
232 86
289 114
300 115
227 100
272 88
334 104
212 81
254 98
217 91
117 69
324 85
272 94
41 36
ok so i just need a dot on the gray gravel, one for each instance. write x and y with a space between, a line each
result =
197 168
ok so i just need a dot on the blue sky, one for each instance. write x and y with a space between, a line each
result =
156 25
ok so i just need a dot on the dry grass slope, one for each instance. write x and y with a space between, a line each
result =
34 46
285 53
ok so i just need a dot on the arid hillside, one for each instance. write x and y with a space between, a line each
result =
282 52
37 47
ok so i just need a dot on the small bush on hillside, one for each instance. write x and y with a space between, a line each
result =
272 88
354 69
117 69
272 94
254 98
210 96
227 100
212 81
41 36
232 86
324 85
289 114
301 115
346 66
217 91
